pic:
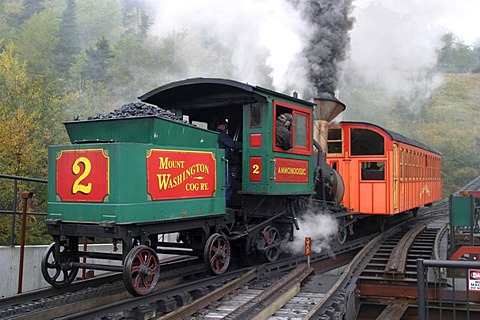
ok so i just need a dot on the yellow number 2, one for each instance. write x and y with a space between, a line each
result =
78 186
256 169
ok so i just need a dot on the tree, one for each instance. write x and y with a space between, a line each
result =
135 18
36 42
28 126
456 56
95 62
93 24
26 116
69 39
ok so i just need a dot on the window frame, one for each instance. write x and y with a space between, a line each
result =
295 111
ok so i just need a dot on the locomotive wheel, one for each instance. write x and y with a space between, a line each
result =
141 270
342 232
217 254
252 258
381 223
271 236
59 273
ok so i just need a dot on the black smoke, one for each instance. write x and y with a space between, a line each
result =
328 45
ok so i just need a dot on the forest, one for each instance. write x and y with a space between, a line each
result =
64 59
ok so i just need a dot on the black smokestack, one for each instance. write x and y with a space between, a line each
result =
330 39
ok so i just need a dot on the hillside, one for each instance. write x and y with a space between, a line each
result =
452 125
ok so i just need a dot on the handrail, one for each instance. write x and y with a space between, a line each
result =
14 211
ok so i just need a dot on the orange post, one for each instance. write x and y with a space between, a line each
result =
308 249
25 197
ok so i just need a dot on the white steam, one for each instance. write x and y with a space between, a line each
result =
254 33
394 43
321 227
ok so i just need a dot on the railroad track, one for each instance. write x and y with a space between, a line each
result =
52 303
285 289
378 263
177 289
381 281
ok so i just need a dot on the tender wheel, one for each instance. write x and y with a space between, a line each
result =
141 270
272 247
217 254
59 273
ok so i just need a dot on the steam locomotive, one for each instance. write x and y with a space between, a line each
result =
136 179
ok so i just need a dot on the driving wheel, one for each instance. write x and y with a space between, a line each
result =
272 238
342 232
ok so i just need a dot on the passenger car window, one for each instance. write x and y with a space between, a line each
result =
366 142
334 141
373 170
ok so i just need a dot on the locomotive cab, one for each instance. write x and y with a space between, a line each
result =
262 168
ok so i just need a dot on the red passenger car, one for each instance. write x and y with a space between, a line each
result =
384 172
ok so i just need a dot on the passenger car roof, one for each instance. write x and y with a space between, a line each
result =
396 136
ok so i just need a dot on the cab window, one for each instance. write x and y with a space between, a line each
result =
300 126
255 115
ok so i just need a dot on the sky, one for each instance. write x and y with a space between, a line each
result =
394 43
459 16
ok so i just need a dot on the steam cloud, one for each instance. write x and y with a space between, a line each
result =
290 45
321 227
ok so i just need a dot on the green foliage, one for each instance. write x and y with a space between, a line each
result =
135 18
94 22
95 62
455 56
36 41
69 36
26 130
66 59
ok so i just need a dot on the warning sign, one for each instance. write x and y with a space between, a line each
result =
474 279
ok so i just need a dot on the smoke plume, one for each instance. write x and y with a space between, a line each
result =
328 44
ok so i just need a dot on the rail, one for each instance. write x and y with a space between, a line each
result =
454 296
12 207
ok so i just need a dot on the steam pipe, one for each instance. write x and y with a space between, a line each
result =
319 166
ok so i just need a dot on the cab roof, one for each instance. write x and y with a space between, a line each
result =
197 93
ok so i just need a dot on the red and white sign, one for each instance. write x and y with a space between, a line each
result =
308 246
82 175
291 170
474 279
176 174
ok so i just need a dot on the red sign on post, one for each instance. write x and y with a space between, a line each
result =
175 174
82 175
474 279
308 246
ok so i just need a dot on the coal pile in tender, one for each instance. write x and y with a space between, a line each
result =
138 109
